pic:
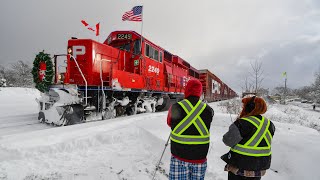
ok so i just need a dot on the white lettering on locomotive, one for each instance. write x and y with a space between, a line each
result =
78 50
153 69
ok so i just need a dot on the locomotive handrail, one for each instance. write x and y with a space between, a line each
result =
86 96
104 95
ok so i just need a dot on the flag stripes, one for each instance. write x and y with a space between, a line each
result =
135 14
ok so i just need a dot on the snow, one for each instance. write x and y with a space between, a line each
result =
130 147
295 113
19 110
19 100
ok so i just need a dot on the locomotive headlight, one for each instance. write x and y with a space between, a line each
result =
69 50
61 77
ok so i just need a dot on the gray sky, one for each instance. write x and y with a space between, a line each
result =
222 36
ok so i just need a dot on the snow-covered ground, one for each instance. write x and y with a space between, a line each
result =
130 147
19 111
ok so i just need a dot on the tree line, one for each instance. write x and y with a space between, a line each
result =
17 74
310 92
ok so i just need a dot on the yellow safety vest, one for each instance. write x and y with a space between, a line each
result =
250 148
192 117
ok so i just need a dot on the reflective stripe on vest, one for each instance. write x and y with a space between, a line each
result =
192 117
250 148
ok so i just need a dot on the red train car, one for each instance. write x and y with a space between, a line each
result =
127 74
213 87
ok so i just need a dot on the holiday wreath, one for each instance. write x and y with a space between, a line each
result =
42 71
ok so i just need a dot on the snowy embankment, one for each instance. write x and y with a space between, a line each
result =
130 147
19 101
18 110
295 113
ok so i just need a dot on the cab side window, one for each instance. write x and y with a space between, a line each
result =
136 46
156 55
147 50
160 57
153 53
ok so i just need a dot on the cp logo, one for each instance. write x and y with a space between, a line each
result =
78 50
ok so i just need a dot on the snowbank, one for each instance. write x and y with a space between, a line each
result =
19 111
293 114
120 153
18 101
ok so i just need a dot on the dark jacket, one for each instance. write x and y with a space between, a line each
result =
189 153
239 133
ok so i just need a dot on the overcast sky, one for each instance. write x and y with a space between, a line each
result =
223 36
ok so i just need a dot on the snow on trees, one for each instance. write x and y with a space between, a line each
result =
18 75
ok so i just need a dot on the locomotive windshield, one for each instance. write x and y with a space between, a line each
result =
125 41
124 47
128 45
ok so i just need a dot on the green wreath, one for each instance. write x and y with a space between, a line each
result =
42 85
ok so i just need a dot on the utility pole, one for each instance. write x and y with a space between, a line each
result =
285 90
285 87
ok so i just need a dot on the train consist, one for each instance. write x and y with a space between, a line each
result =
114 78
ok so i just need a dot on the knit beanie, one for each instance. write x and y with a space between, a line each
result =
193 88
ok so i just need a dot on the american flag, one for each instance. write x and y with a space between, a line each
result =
134 15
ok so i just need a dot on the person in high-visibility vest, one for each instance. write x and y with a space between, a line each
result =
190 121
249 139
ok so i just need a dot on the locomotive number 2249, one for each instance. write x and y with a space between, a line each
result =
153 69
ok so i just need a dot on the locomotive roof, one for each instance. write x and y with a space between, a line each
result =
194 69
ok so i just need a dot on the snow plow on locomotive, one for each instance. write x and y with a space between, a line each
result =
105 80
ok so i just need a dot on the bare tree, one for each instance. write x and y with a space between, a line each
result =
256 74
280 90
305 92
2 70
19 74
263 91
2 77
246 85
22 74
312 92
316 88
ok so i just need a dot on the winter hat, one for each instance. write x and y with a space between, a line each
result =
260 107
193 88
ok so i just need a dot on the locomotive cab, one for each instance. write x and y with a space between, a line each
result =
130 43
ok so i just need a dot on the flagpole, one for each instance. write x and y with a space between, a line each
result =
285 88
141 27
140 64
283 98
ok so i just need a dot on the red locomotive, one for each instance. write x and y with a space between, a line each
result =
114 78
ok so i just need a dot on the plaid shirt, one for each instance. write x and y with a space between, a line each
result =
245 173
